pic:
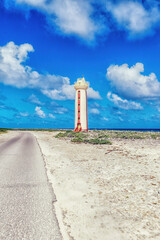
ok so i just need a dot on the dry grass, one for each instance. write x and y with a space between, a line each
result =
105 136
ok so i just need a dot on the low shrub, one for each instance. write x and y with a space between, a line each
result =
138 137
155 136
99 141
69 131
105 141
3 130
60 135
128 136
103 136
77 140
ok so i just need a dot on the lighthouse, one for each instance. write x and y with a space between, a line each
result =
81 121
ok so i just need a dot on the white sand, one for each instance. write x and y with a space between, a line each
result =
109 192
7 136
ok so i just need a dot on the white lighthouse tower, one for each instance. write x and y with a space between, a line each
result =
81 121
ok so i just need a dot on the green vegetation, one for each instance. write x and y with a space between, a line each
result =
77 139
61 135
155 135
71 134
3 130
99 141
133 134
92 140
105 136
95 136
85 137
129 136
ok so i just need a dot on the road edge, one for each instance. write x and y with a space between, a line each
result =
55 210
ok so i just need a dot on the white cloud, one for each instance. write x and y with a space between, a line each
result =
89 18
53 94
68 92
131 83
94 111
39 112
34 99
123 103
73 17
36 3
70 17
60 110
133 17
24 114
14 72
93 94
51 116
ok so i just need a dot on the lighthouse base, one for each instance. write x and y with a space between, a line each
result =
79 128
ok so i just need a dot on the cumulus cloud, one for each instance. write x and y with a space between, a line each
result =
70 17
89 19
123 103
68 92
133 17
53 94
14 72
40 112
93 94
131 83
94 111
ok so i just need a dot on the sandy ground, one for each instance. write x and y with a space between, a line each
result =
109 192
6 136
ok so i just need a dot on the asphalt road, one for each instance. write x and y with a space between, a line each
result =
26 209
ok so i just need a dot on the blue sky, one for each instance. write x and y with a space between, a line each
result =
46 45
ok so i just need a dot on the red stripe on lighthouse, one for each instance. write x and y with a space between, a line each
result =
78 127
86 114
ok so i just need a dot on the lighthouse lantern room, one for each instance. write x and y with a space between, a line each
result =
81 121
